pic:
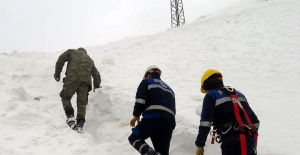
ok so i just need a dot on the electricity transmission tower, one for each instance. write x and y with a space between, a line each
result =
177 13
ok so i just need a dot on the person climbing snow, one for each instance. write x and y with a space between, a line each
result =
228 111
155 100
80 69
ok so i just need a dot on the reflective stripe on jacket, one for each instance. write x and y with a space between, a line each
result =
155 99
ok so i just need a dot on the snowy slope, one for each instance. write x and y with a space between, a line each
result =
255 47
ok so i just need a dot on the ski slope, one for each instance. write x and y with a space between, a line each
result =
255 47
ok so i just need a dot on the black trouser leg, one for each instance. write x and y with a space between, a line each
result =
160 132
162 138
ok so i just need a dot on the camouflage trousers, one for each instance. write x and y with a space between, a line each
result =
82 91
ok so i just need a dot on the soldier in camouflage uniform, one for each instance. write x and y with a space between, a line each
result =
79 70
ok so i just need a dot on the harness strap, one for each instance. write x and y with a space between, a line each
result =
237 106
237 114
253 128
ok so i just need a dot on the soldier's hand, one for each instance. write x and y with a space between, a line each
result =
200 151
57 76
96 86
133 120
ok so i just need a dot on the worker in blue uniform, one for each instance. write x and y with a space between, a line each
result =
155 101
228 111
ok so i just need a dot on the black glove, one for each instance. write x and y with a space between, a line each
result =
57 76
97 86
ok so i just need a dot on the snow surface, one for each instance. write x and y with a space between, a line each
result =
255 47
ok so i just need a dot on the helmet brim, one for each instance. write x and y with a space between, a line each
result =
203 91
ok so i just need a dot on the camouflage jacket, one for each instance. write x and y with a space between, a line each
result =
80 67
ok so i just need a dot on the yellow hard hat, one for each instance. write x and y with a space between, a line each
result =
206 75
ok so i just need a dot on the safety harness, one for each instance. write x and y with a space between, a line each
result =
243 128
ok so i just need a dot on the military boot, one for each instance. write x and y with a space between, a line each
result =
70 121
79 125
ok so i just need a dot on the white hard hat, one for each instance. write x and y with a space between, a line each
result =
152 69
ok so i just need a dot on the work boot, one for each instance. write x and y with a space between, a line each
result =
70 121
152 152
79 124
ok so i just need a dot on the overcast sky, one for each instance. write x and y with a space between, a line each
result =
55 25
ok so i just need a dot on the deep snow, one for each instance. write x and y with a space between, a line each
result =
255 47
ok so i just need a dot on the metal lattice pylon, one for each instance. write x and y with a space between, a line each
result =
177 13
